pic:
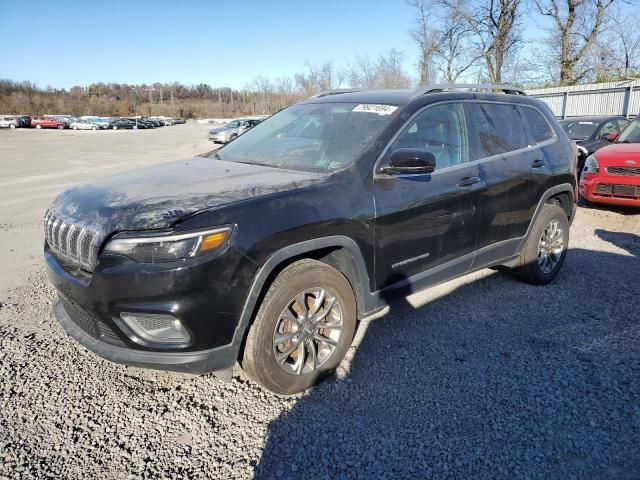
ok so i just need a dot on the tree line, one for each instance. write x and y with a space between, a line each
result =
471 40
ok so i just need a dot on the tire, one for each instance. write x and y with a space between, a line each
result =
94 128
38 126
300 278
115 127
12 126
60 127
75 128
535 268
232 137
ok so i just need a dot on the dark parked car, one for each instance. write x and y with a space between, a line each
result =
25 121
123 123
592 133
269 250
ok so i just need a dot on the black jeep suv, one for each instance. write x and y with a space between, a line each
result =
269 250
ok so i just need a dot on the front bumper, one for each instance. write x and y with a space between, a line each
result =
598 188
218 138
197 362
202 294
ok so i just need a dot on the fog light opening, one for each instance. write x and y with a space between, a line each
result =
156 328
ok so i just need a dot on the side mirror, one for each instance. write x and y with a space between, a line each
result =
612 136
410 160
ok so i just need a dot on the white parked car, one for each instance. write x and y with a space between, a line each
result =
9 121
83 125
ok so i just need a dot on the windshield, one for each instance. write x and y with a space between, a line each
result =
234 124
631 134
313 137
578 130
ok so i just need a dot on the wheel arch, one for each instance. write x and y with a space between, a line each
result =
559 194
337 251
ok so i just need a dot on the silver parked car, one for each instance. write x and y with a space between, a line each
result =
232 129
81 124
9 121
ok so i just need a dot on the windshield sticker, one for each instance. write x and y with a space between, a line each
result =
374 108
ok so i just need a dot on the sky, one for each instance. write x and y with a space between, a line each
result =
222 43
217 42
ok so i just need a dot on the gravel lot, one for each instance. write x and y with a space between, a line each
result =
483 377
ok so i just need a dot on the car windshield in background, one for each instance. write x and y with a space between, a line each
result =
631 134
578 130
320 137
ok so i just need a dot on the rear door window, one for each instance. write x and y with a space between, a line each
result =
537 127
499 128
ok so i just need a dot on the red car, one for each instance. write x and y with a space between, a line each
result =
47 122
612 174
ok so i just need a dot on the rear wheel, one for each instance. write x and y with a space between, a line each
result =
94 128
303 328
75 127
60 127
38 126
546 247
12 126
115 127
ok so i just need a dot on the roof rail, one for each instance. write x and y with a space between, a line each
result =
326 93
435 88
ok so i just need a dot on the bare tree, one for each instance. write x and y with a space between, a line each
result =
427 37
361 73
455 50
576 26
318 78
495 28
616 53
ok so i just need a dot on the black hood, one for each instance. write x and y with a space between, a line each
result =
158 196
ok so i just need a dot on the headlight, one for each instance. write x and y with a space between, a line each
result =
590 165
156 248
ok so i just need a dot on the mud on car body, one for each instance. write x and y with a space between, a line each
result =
270 249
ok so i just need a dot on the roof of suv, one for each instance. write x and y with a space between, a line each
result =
403 97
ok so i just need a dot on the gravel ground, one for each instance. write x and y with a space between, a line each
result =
483 377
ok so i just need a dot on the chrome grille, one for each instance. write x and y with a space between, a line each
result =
624 171
71 242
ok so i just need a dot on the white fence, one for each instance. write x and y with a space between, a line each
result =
613 98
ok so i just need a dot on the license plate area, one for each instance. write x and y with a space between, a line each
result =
625 190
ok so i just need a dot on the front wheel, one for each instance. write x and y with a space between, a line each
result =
94 128
38 126
115 127
303 328
12 126
546 247
60 127
75 128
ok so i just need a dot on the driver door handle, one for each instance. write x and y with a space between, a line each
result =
468 181
538 163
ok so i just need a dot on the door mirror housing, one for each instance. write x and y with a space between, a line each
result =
612 136
410 160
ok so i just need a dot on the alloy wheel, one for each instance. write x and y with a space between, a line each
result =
550 247
308 331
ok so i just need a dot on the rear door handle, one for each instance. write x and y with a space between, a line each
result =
468 181
538 163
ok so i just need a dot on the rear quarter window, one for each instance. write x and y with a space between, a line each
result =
499 128
538 128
